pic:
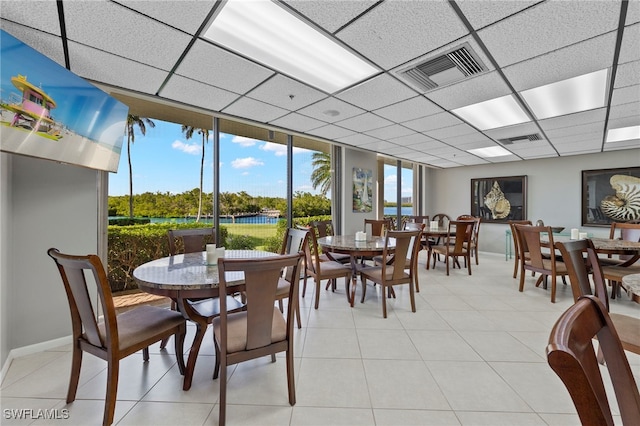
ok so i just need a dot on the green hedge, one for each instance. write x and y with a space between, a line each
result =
131 246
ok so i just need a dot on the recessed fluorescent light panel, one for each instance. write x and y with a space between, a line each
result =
490 151
575 94
623 134
494 113
267 33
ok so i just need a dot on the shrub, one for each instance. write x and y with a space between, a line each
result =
240 242
128 221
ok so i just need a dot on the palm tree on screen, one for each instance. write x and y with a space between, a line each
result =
188 133
134 121
321 175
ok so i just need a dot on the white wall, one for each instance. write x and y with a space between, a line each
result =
554 190
44 204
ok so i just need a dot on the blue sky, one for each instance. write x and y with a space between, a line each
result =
165 161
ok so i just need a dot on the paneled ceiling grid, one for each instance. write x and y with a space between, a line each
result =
140 47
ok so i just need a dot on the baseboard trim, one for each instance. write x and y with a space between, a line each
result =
32 349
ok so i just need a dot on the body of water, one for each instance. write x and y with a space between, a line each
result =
259 219
391 211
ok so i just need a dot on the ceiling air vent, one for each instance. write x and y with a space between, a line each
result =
520 139
456 65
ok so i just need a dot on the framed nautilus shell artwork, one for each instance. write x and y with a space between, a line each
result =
610 195
499 199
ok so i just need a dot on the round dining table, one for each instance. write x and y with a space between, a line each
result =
356 249
187 276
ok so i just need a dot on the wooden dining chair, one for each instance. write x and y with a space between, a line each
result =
260 330
377 227
582 262
613 271
318 270
455 244
324 228
571 355
547 264
473 247
392 273
118 335
408 226
294 241
201 311
515 240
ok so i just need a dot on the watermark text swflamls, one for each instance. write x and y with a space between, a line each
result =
35 414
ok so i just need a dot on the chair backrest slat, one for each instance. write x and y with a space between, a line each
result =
294 241
193 239
406 248
74 271
261 281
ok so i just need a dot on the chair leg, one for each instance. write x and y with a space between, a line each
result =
446 259
364 287
223 393
298 316
467 260
291 385
280 305
553 289
76 363
384 304
317 302
216 368
113 367
164 341
304 285
521 288
178 339
145 354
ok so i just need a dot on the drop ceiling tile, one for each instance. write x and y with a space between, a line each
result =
535 151
433 122
548 26
399 150
628 74
297 122
449 132
379 32
393 131
193 92
555 134
115 29
503 159
48 45
425 159
633 12
561 64
376 145
445 164
408 110
466 139
429 146
473 144
254 110
331 131
479 15
217 67
286 93
364 122
625 95
357 139
624 122
106 68
470 91
616 146
630 49
325 110
37 15
571 120
577 138
584 147
518 147
331 14
376 93
625 110
523 129
186 15
413 139
469 160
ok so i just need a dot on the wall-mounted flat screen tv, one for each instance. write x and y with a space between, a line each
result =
49 112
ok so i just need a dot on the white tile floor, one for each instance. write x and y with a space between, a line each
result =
472 354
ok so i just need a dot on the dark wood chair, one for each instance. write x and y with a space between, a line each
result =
517 254
455 244
473 247
260 330
571 355
119 335
202 311
318 270
392 273
294 241
408 226
324 228
535 259
613 271
582 262
377 227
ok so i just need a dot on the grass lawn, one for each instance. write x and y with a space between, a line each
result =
258 233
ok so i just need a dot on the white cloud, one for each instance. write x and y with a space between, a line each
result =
193 149
280 150
244 142
245 173
390 179
245 163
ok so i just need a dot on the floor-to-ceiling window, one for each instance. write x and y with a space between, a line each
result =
398 189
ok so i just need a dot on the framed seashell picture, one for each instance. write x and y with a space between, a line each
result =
499 199
610 195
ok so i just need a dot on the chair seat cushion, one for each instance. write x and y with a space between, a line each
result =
442 249
143 323
338 257
283 287
374 273
333 269
615 273
237 330
210 308
561 267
